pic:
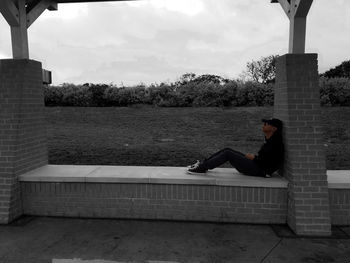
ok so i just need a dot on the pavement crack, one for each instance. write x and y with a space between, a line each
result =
271 250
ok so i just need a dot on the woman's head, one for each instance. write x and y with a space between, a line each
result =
272 126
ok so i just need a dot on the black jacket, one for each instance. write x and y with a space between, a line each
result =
271 154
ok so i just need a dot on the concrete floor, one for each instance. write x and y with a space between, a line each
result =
66 240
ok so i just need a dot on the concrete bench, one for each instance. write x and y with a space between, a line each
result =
146 175
338 179
339 196
222 195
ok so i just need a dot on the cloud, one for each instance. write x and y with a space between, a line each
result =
5 37
188 7
159 40
68 12
328 32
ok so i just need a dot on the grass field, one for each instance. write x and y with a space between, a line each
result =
172 136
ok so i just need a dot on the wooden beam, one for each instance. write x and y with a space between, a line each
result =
302 7
53 6
286 6
297 35
10 12
297 11
38 9
19 34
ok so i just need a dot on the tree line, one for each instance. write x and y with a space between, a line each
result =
254 88
264 70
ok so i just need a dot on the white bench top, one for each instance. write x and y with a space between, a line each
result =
337 179
147 174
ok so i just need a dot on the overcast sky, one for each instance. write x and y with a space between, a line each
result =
153 41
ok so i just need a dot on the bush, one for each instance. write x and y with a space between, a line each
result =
97 94
124 96
335 91
194 92
187 93
228 94
255 94
163 96
205 94
67 95
215 95
53 96
78 96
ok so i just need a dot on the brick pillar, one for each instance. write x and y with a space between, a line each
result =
297 104
22 130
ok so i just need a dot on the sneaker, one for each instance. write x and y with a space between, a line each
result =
196 164
197 170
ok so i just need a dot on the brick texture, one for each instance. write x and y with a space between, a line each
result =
22 130
340 206
297 104
156 201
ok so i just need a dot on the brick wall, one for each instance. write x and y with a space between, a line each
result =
339 200
297 104
156 201
22 130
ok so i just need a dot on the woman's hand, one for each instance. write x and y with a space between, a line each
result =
250 156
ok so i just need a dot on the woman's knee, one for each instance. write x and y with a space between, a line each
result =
227 150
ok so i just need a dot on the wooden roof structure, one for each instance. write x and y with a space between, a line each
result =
20 15
75 1
296 11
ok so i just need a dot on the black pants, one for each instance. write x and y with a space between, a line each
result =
236 159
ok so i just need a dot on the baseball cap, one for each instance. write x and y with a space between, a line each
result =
274 122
